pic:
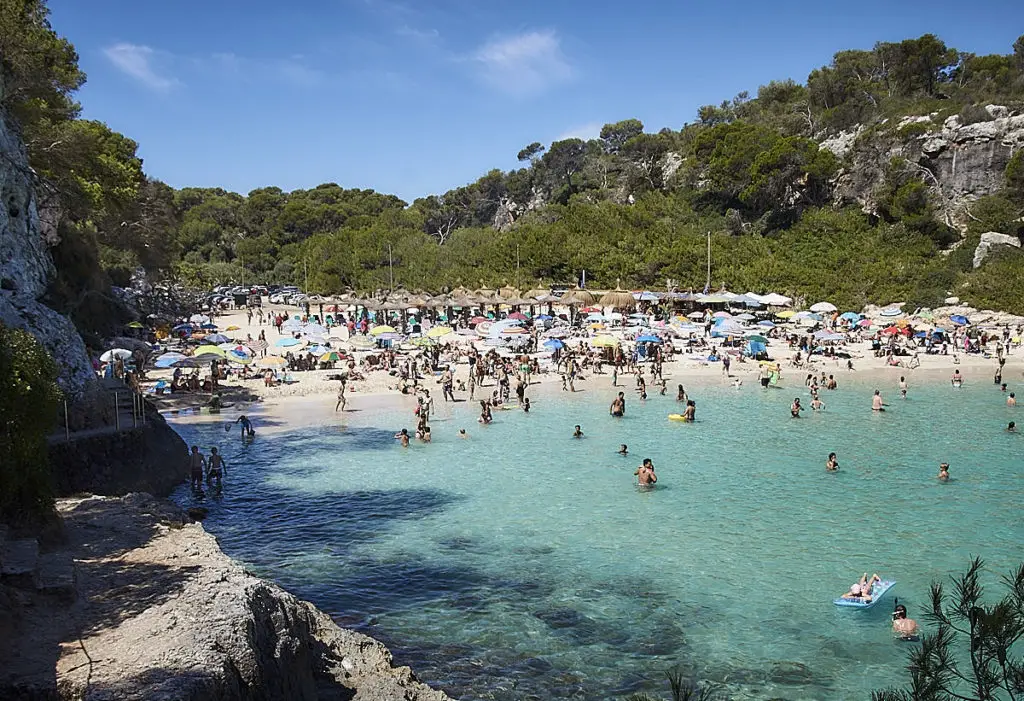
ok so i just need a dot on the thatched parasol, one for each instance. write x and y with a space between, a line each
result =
538 291
509 292
438 301
486 296
618 298
578 297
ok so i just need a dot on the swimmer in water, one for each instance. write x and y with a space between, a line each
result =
1012 427
904 628
832 465
903 387
944 472
462 433
645 476
1011 400
526 405
681 394
618 406
690 413
795 408
247 429
217 467
623 450
577 432
876 402
817 404
957 379
403 437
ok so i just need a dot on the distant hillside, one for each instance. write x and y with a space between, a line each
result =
854 185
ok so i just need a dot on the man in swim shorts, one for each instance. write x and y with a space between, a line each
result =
216 467
645 476
196 462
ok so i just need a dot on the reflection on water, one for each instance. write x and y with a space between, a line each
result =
520 563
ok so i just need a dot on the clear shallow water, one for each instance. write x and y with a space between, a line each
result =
521 563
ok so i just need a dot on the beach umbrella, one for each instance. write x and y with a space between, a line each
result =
518 316
773 299
722 315
850 316
767 324
135 325
553 344
826 335
361 342
183 328
865 323
745 316
618 298
257 345
424 342
959 320
378 330
696 315
233 327
646 296
217 338
199 319
237 356
209 350
648 339
209 357
185 363
891 330
167 360
756 337
823 307
271 361
439 331
604 342
314 330
288 342
318 349
392 336
578 297
891 311
786 314
330 357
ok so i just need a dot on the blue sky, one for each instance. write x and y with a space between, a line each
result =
414 97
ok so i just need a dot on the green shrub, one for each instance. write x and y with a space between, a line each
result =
29 398
972 114
913 130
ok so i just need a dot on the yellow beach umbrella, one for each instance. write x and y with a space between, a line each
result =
201 350
378 330
786 314
604 342
271 361
330 357
439 331
233 328
597 327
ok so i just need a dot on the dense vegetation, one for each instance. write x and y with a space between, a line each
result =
630 205
29 398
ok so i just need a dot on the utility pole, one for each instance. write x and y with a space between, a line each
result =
391 271
517 265
305 275
707 287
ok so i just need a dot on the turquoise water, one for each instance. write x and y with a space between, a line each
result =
521 563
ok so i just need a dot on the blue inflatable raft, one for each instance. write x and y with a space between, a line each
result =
877 592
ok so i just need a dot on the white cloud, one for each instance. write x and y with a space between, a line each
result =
588 131
137 61
525 64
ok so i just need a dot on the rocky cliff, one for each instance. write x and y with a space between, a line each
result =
26 267
161 613
960 162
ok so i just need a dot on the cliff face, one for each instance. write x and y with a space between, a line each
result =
26 266
960 162
162 613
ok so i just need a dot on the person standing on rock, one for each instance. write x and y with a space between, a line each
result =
196 461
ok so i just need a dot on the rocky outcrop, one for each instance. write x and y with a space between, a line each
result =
989 241
960 162
162 613
26 266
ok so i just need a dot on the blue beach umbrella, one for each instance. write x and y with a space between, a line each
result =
767 324
287 342
959 320
553 344
850 316
216 338
648 339
167 360
187 328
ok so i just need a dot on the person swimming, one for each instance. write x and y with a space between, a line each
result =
618 406
832 465
690 413
795 408
577 432
903 387
957 380
944 472
462 433
904 628
1012 427
403 437
526 405
644 474
816 403
623 450
1011 400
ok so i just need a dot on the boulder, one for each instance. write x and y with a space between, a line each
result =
990 240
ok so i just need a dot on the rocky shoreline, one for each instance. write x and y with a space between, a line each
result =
155 610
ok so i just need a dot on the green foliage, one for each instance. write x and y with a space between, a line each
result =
998 283
616 135
996 213
29 398
972 114
968 629
912 130
1015 176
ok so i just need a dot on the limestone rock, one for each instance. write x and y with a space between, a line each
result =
990 240
841 143
26 266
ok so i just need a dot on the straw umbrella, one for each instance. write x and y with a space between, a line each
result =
538 291
508 292
578 298
618 298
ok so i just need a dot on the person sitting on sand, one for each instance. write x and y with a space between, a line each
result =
861 591
577 432
832 465
645 476
944 472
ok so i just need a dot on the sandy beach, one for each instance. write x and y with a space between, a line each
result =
309 397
